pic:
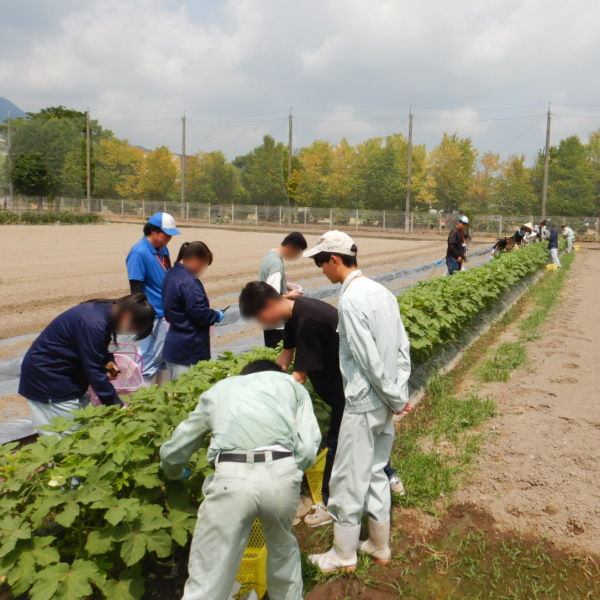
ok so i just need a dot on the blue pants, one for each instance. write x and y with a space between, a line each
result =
453 265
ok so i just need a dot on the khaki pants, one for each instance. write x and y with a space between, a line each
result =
358 480
174 370
235 495
43 414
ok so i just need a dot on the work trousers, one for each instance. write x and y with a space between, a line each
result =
553 252
358 480
453 265
570 239
174 370
236 495
43 414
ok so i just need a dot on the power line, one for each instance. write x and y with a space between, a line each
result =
479 120
522 134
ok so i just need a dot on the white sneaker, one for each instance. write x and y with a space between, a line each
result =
397 486
319 516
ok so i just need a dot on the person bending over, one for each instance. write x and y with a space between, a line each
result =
264 435
186 309
71 354
272 271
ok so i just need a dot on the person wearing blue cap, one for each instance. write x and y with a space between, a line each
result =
147 264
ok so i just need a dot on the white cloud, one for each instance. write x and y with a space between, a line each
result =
151 59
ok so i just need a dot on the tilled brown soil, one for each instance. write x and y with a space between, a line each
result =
540 470
48 269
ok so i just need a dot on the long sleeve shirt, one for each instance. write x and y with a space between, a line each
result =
70 355
553 239
568 232
374 347
186 308
456 248
244 413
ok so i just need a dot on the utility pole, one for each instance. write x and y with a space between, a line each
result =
408 171
290 150
183 161
546 164
88 159
10 182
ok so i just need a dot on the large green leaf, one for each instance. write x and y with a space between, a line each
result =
67 582
12 529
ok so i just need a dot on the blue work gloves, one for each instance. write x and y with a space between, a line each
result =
221 316
186 474
440 262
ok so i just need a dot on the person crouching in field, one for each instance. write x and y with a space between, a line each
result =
71 354
503 245
264 435
147 264
186 309
375 364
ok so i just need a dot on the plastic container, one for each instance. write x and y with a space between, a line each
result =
295 286
129 379
252 573
577 247
314 476
552 267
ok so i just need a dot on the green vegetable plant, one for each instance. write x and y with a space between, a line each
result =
48 218
437 311
65 538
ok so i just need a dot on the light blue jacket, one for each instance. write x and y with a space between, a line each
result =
244 413
374 347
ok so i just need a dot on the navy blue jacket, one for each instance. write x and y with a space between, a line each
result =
70 355
553 240
186 308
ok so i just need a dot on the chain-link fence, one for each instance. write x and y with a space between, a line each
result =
299 217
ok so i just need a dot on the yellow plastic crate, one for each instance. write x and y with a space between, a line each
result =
314 476
552 267
577 247
253 568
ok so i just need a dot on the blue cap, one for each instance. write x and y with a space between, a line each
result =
165 221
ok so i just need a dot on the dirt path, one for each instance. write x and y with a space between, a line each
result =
50 268
540 470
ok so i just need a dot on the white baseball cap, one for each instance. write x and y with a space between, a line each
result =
165 221
464 220
335 241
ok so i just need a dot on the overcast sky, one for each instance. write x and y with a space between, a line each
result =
347 67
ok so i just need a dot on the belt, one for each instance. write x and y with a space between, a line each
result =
258 457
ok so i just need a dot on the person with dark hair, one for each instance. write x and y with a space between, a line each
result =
264 435
311 342
71 354
186 309
553 245
147 264
272 271
375 365
520 236
501 246
456 254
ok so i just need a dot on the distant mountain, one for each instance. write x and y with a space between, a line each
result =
5 106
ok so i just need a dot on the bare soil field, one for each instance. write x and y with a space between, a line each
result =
50 268
539 473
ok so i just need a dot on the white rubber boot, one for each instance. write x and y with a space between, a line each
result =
342 556
378 544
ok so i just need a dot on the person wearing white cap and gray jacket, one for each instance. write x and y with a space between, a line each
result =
375 364
147 264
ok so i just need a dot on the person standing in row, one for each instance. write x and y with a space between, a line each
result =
186 309
455 255
553 245
264 435
147 264
375 364
71 354
272 271
569 234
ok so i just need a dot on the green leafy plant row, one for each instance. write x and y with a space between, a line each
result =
59 540
48 218
97 536
437 311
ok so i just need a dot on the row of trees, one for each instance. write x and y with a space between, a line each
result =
49 159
